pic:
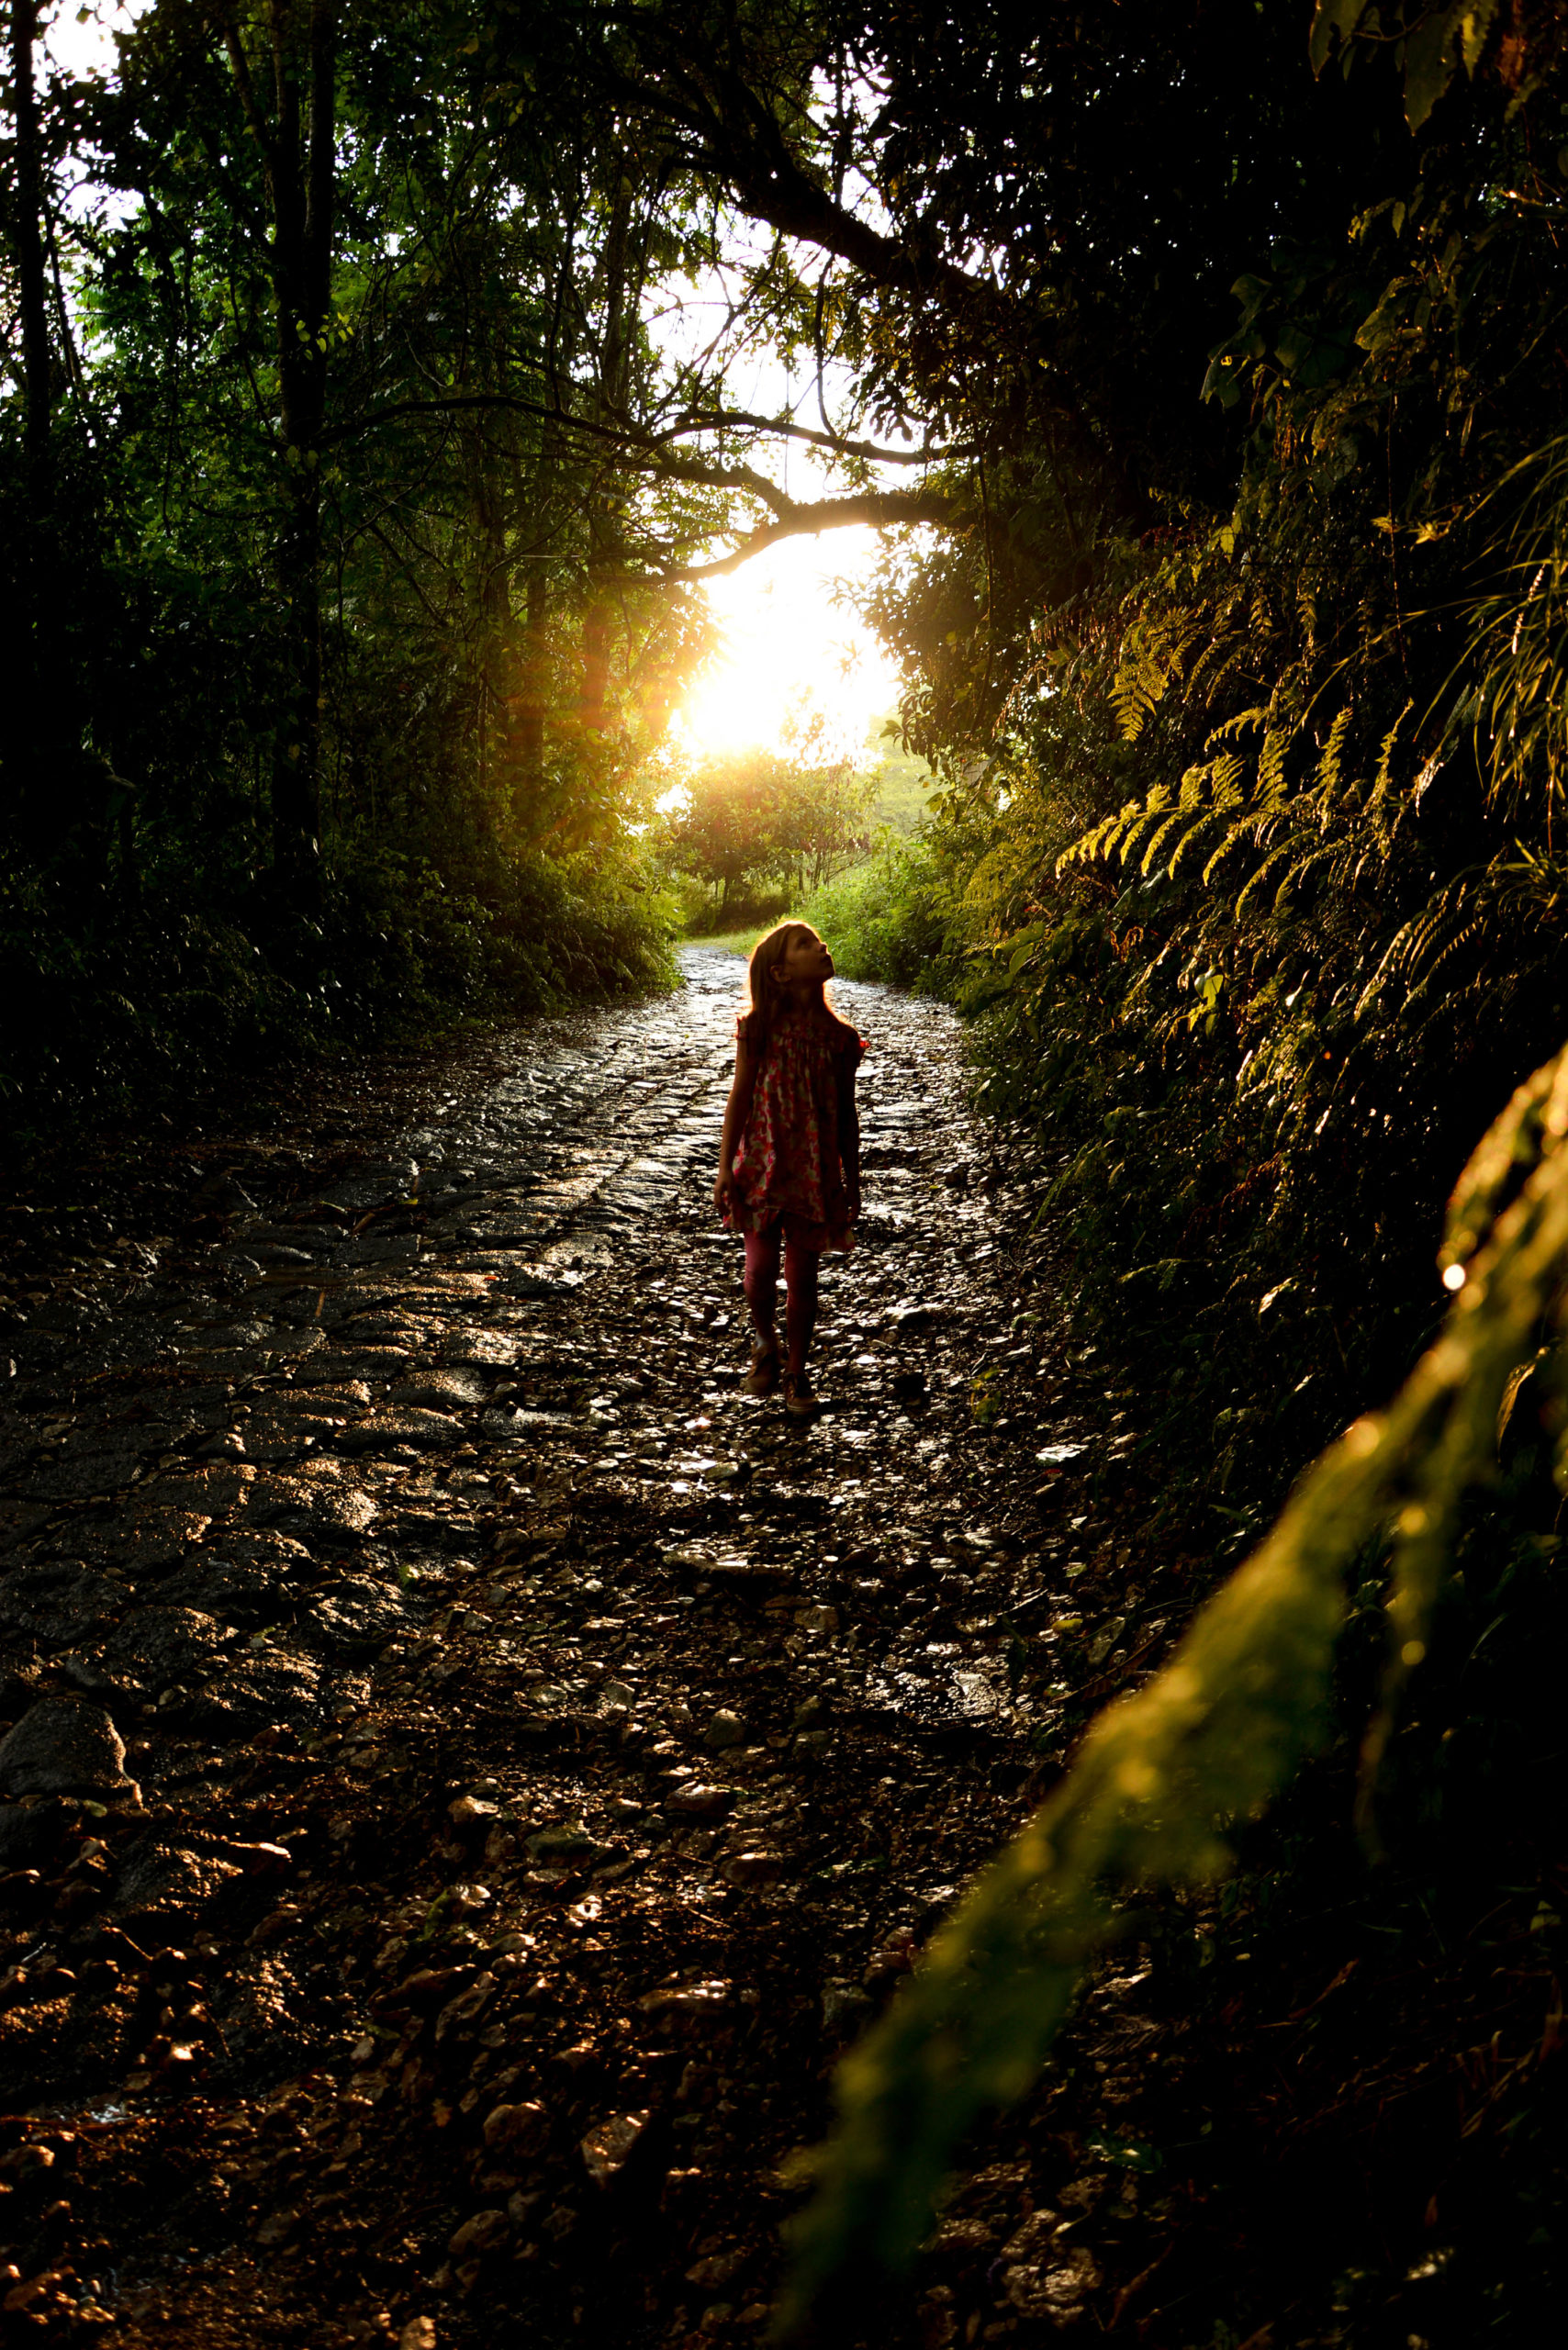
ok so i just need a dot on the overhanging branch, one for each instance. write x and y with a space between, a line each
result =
629 436
880 509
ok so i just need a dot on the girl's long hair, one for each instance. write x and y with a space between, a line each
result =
761 1006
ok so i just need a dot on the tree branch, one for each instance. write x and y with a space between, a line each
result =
880 510
725 420
735 135
632 436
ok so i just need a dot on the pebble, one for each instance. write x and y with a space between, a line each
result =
480 2234
65 1746
607 2146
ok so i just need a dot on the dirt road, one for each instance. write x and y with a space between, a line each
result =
472 1767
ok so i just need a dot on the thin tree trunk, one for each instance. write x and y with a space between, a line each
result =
29 238
622 287
36 711
298 148
532 700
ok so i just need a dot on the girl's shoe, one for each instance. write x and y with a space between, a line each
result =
763 1376
799 1404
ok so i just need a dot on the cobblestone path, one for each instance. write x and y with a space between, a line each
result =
470 1767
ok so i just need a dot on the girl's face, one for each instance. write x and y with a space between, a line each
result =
805 957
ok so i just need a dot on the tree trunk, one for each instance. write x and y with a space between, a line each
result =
298 146
40 808
28 241
623 292
531 703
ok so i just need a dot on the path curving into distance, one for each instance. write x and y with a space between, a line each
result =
470 1767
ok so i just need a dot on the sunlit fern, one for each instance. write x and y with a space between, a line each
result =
1511 685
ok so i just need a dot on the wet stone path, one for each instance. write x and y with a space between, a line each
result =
467 1768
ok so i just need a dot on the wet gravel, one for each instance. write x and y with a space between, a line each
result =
467 1768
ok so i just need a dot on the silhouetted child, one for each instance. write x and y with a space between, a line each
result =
789 1159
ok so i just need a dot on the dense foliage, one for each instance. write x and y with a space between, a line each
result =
1248 839
329 494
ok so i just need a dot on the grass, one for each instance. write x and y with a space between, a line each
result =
729 942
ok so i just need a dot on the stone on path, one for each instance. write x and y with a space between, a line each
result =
63 1746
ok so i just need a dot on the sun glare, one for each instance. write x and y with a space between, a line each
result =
790 654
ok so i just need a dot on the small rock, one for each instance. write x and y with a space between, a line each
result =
754 1868
418 2334
609 2144
469 1810
478 2235
1056 2294
568 1840
383 1431
64 1746
518 2131
908 1318
718 2269
1032 2242
818 1619
468 2004
701 1802
577 2059
686 2003
726 1730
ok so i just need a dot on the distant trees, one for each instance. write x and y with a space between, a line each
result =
759 816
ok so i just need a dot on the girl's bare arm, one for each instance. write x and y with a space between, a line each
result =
849 1133
737 1110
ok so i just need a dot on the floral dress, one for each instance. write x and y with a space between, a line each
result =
788 1164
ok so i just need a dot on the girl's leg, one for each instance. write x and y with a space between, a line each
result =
762 1282
800 1314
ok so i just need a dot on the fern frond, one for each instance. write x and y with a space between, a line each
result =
1101 839
1333 751
1272 767
1255 881
1243 722
1180 821
1202 822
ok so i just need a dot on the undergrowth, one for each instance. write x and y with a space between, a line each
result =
117 1007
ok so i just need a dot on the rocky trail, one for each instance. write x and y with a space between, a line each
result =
468 1769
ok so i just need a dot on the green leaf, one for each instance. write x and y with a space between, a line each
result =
1333 20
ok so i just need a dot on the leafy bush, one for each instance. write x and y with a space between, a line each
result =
888 918
133 1009
748 910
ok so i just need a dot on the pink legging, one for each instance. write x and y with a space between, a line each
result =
762 1254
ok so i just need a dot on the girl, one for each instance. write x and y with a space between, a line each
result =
789 1159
